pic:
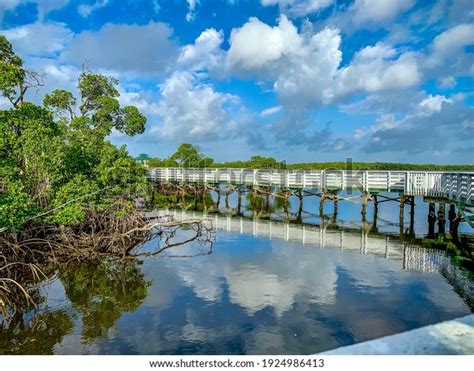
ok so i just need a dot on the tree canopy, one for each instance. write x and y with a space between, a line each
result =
186 155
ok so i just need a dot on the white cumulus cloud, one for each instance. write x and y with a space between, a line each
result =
205 53
378 68
192 109
256 44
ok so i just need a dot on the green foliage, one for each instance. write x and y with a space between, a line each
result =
255 162
131 121
73 199
102 108
56 157
186 155
93 88
12 73
16 206
61 102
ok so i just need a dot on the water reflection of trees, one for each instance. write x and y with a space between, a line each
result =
99 291
102 291
37 335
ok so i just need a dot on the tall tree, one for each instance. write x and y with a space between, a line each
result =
188 155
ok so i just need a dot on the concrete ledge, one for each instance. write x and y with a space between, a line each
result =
450 337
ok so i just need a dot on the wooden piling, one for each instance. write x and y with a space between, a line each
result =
335 209
442 218
321 204
402 214
431 219
412 215
239 200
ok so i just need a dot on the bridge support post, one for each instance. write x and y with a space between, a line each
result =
299 194
431 219
402 214
454 220
442 218
218 202
412 215
365 201
335 209
451 216
286 202
227 193
239 199
267 200
376 211
321 204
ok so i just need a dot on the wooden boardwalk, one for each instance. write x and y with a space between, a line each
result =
454 186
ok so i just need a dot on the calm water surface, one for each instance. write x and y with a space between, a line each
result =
251 295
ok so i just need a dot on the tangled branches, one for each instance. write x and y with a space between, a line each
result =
102 234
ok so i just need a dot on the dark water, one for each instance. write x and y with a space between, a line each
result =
264 288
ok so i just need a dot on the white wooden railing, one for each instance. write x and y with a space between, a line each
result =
457 186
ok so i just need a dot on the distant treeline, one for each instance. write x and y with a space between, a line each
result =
188 155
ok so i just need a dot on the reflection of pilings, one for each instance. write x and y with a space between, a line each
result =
424 260
227 193
299 215
442 218
365 200
218 202
239 200
431 219
454 221
451 216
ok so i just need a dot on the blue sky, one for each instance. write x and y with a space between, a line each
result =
300 80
